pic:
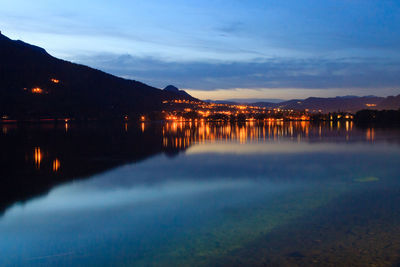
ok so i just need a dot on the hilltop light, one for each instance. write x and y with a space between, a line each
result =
37 90
54 80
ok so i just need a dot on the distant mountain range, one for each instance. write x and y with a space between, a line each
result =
33 84
333 104
315 104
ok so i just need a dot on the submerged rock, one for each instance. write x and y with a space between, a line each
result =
295 254
367 179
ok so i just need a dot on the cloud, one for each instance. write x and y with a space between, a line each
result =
309 73
231 28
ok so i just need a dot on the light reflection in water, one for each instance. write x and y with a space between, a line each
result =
37 157
370 134
181 135
177 136
56 165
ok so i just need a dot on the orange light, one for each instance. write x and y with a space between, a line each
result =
37 157
56 165
370 134
171 118
54 80
37 90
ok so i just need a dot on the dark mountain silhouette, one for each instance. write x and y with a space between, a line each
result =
390 102
332 104
33 84
173 89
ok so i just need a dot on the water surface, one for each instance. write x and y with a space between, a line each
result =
198 194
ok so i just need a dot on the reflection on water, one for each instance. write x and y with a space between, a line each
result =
181 135
196 193
56 165
38 157
370 134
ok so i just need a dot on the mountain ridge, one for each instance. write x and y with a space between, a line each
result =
172 88
338 103
34 85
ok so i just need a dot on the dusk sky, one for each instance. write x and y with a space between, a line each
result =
224 49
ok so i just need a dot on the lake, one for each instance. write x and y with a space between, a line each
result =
199 194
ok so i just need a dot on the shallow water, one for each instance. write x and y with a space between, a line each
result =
280 194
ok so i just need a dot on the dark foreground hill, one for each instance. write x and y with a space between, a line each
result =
33 85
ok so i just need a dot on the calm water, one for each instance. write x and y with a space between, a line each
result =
199 194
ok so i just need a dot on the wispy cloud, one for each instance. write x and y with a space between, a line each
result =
311 73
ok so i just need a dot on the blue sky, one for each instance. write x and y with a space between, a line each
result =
224 49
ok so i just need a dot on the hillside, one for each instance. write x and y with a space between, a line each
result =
33 84
173 89
333 104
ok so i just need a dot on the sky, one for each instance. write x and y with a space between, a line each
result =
224 49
